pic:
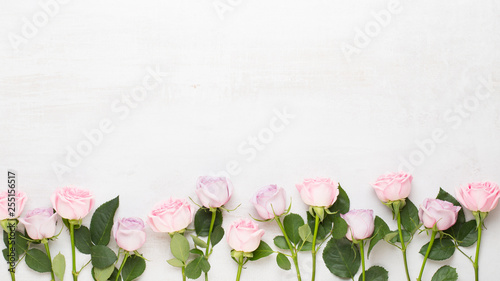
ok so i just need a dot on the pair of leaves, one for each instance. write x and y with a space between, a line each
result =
21 245
133 268
202 220
179 246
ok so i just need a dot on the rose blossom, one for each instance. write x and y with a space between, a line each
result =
437 212
214 192
268 199
72 203
170 216
40 223
393 187
360 224
129 233
244 235
319 192
479 196
4 204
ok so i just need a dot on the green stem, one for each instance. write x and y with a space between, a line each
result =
46 244
121 266
403 246
73 254
313 251
212 222
12 248
12 276
183 273
476 261
433 237
240 267
362 252
292 249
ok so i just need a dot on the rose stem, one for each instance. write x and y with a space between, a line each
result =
212 222
362 252
292 250
476 262
403 246
121 266
313 251
433 236
46 244
73 255
240 267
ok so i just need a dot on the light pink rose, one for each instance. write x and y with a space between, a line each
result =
437 212
244 235
170 216
72 203
360 224
20 201
129 233
214 192
319 192
479 196
40 223
393 187
270 198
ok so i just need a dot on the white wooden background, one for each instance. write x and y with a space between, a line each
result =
368 87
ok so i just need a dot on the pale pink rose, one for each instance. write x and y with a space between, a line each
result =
479 196
129 233
437 212
40 223
268 199
393 187
20 201
170 216
244 235
214 192
360 224
319 192
72 203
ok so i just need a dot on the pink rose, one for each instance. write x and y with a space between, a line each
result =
170 216
479 196
268 199
129 233
4 204
40 223
360 224
72 203
319 192
437 212
244 235
213 192
393 187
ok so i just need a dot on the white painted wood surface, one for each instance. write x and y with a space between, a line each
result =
419 91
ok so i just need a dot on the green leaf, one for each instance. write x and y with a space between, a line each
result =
380 231
21 244
467 235
102 222
280 242
442 249
196 252
283 262
59 266
324 227
291 223
217 234
409 217
342 204
133 268
445 273
262 251
375 273
197 241
305 233
342 258
82 240
307 247
193 269
102 256
393 236
175 262
104 273
113 276
339 227
38 260
453 231
202 220
179 246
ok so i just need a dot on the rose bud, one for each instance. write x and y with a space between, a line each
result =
214 192
439 213
270 201
4 204
319 192
393 187
244 235
40 223
479 196
129 233
360 224
170 216
72 203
